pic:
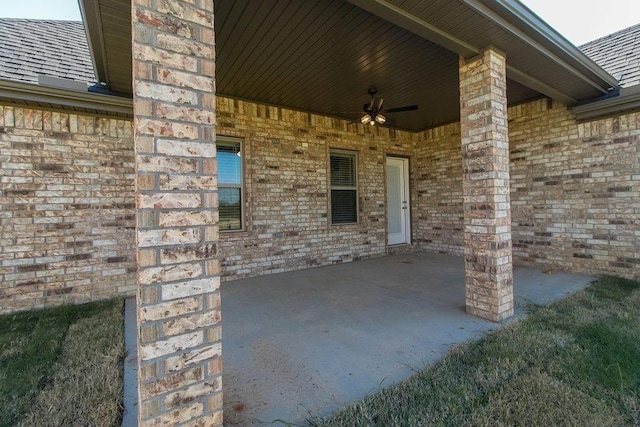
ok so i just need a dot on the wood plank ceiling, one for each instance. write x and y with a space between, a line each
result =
322 56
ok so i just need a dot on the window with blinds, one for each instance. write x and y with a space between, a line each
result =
230 191
344 187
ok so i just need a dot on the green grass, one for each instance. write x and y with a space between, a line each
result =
576 363
62 366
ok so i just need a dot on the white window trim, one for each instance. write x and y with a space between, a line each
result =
355 187
243 201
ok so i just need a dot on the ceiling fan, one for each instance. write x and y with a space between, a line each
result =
373 110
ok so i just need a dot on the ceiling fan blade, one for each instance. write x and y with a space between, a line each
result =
401 109
376 104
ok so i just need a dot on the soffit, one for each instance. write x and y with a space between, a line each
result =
532 47
322 56
108 27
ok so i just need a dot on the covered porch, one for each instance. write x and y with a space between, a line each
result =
278 79
310 341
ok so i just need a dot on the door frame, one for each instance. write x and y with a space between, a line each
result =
406 196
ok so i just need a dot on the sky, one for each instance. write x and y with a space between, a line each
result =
579 21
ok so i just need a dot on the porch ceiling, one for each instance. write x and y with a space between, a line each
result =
321 56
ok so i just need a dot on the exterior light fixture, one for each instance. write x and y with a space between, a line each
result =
368 118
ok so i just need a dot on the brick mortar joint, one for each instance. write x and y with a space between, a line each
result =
139 6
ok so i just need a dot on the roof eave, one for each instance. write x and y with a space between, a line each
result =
61 99
556 40
515 18
538 31
627 101
90 12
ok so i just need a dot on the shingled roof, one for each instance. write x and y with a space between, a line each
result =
619 54
31 47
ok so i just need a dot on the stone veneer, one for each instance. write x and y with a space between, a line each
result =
179 343
66 208
485 186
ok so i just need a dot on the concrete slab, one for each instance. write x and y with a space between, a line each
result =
310 341
130 416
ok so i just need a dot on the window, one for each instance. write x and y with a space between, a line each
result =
230 193
344 187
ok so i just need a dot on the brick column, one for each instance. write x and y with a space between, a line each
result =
487 208
179 344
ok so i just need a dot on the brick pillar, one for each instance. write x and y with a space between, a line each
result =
487 208
179 344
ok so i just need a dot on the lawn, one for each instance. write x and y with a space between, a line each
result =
62 366
576 362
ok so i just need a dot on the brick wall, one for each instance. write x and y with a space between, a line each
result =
66 208
286 160
89 219
178 301
485 186
575 190
438 188
67 213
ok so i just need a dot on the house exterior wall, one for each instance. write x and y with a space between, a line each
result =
66 208
438 179
575 195
575 190
286 156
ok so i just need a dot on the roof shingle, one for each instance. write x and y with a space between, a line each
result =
618 54
31 47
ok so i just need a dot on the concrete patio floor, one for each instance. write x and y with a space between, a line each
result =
311 341
308 342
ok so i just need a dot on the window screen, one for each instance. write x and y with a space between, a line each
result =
344 190
229 185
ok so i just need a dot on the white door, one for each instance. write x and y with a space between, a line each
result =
398 209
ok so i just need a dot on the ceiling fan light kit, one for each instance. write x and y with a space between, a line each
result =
365 119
